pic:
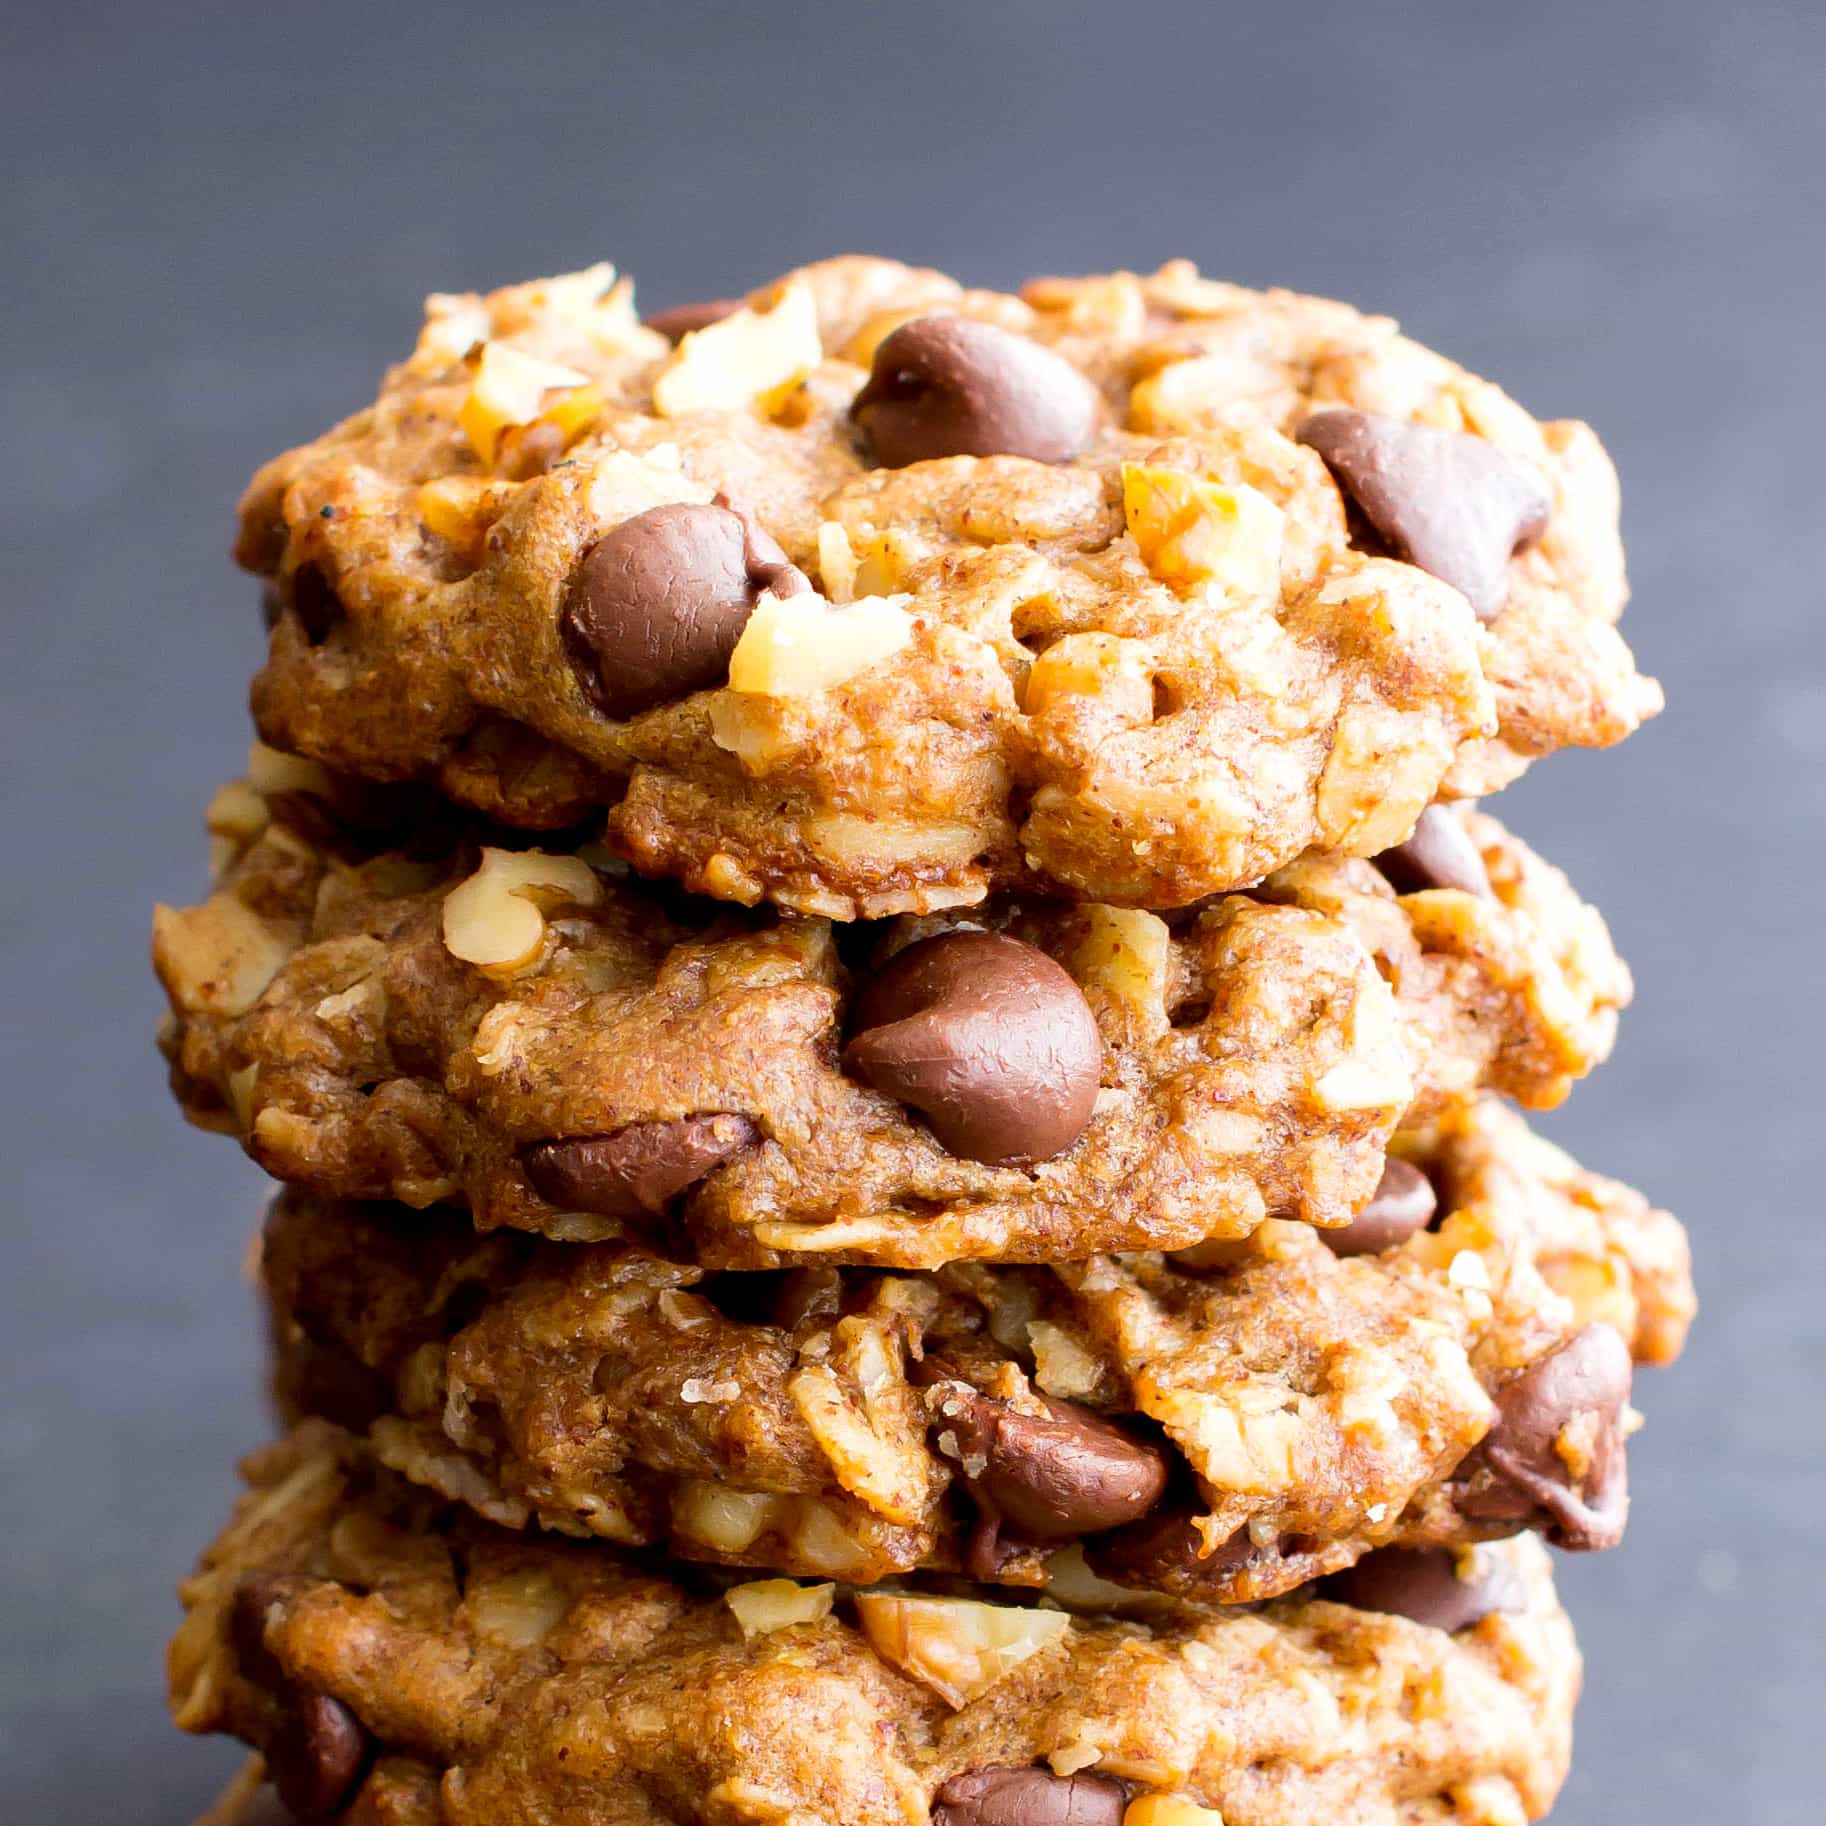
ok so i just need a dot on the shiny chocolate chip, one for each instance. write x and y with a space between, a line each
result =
947 386
1029 1797
657 604
1404 1203
638 1170
1451 503
988 1038
1056 1478
317 1755
1439 854
1554 1458
1428 1585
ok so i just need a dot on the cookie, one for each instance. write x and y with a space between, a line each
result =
877 595
569 1051
397 1662
1230 1424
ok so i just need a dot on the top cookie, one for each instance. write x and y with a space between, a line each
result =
874 594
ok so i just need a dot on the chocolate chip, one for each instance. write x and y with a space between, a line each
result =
1053 1479
946 386
678 321
636 1171
656 607
1440 854
1165 1549
1518 1473
989 1038
1453 504
1424 1584
317 1751
317 1755
1029 1797
1403 1204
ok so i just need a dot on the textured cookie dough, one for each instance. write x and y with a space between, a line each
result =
397 1663
1290 1405
564 1049
1150 647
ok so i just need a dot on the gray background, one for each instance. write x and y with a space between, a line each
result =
218 223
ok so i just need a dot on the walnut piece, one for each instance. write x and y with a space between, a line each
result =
496 919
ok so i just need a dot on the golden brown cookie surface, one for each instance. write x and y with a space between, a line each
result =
1070 592
567 1051
1279 1408
396 1663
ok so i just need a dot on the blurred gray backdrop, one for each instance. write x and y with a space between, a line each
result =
218 223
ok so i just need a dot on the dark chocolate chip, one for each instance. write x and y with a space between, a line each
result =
636 1171
989 1038
317 1755
1451 503
1403 1204
1053 1479
1166 1549
946 386
657 604
1029 1797
678 321
1424 1584
1518 1473
1440 854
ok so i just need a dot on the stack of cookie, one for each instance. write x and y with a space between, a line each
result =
858 937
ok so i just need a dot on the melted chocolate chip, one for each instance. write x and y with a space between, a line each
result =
947 386
1453 504
657 604
987 1037
1554 1458
638 1170
1428 1586
1029 1797
1404 1203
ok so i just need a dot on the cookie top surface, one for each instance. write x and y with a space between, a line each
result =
878 594
396 1663
563 1049
1229 1423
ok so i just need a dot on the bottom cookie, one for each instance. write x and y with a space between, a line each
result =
398 1662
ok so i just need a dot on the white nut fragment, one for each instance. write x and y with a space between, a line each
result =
271 770
1062 1366
794 646
623 484
509 389
1191 532
770 1604
519 1609
1115 671
960 1647
216 958
496 919
1246 1439
727 1521
748 358
1126 953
